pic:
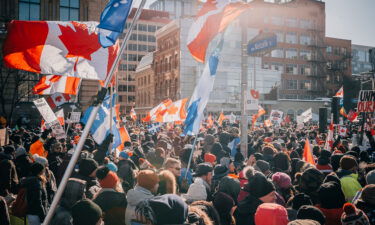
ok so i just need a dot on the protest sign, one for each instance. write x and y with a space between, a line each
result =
45 110
366 101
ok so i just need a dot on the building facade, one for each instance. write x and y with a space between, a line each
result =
361 59
176 8
141 42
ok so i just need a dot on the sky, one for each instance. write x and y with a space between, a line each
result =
346 19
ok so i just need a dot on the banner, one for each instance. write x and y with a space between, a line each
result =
46 111
305 116
276 116
252 101
57 130
366 101
75 117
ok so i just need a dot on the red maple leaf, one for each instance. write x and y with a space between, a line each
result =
58 98
79 42
254 93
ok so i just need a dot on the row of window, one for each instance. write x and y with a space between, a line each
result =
166 64
132 57
336 50
297 84
142 37
144 27
295 96
291 53
122 98
130 88
144 81
141 48
293 38
127 67
290 22
360 55
143 99
292 69
30 10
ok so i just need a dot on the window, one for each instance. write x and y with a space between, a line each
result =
151 38
151 28
291 53
305 24
291 84
132 47
142 27
305 54
133 37
336 50
291 22
277 53
142 37
132 67
305 40
291 69
69 10
29 10
280 36
132 57
291 38
131 98
122 67
304 85
142 48
276 20
305 70
343 51
277 66
151 48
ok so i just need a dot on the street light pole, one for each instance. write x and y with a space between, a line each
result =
244 80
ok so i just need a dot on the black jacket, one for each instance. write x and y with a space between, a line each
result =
246 209
36 195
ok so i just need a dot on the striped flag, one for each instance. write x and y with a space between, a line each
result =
175 112
340 92
57 99
213 18
51 84
329 141
157 112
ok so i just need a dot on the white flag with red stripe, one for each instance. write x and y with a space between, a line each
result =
213 18
55 47
51 84
329 141
133 114
60 116
340 92
57 99
175 112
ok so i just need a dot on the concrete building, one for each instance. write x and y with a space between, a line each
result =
141 42
176 8
360 59
145 91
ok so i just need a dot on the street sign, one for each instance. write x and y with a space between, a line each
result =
261 45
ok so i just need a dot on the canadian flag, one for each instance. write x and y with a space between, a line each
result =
55 47
340 92
51 84
57 99
157 111
329 141
175 112
342 131
261 112
267 123
352 115
213 18
133 114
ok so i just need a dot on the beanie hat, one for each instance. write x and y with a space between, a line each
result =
368 194
348 162
262 166
259 186
230 186
87 166
107 178
223 203
304 222
311 180
331 195
220 172
271 214
40 160
300 200
147 179
282 180
353 216
332 177
370 177
210 158
86 212
19 152
312 213
36 168
112 167
335 161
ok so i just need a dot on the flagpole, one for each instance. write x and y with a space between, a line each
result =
90 121
191 156
110 108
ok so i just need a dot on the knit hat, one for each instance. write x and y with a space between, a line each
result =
259 186
164 209
147 179
332 177
209 158
262 166
300 200
36 168
86 212
107 178
353 216
220 172
312 213
40 160
303 222
230 186
311 180
19 152
271 214
87 166
282 180
368 194
223 203
331 195
335 161
370 177
348 162
202 169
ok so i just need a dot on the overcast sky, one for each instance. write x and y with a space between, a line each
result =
347 19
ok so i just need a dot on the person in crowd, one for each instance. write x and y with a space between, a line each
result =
174 166
312 213
225 205
349 177
366 202
271 214
87 172
86 212
201 189
352 215
167 183
125 172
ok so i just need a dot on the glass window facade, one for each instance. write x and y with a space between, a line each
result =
277 53
305 40
69 10
291 69
29 10
291 53
291 22
291 38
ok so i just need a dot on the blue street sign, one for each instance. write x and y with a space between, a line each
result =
262 45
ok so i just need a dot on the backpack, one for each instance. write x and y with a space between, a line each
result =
19 206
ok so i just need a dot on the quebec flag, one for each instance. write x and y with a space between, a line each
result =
100 129
112 21
201 94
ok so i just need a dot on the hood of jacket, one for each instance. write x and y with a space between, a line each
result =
108 198
138 194
342 173
248 205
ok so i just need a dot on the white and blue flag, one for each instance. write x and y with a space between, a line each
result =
100 128
201 94
112 21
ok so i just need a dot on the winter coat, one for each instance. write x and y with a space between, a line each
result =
135 196
23 164
38 148
36 196
92 185
113 204
349 184
4 213
333 216
126 174
367 208
246 209
8 177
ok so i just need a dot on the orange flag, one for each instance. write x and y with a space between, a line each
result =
210 121
221 118
307 153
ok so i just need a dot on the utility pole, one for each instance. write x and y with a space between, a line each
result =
244 79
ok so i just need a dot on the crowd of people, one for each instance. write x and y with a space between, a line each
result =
153 181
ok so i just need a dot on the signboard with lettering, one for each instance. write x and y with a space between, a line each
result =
366 101
262 45
45 110
252 100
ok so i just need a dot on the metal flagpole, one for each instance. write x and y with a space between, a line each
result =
90 121
111 108
244 77
191 156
